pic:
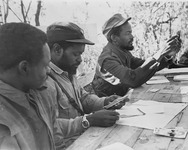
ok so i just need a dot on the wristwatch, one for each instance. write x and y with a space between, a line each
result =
85 122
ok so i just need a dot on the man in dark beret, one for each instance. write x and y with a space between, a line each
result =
67 43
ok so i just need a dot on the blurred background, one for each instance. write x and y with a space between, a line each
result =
153 22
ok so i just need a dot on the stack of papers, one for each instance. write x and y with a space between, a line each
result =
156 114
183 77
172 71
116 146
157 80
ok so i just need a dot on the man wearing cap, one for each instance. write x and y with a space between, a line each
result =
117 69
67 43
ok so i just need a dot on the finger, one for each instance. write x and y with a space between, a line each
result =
172 38
113 113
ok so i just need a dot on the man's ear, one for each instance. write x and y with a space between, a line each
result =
56 50
114 38
23 67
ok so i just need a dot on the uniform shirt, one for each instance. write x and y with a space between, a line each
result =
119 70
27 120
87 102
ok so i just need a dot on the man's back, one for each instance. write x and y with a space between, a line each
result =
21 126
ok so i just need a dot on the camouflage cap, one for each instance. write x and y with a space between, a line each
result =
115 21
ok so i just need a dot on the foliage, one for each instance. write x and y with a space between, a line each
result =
152 23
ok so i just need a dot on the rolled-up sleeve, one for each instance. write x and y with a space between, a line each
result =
91 102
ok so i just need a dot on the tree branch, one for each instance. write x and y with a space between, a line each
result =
39 6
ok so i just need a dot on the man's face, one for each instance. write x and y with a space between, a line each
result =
125 38
39 72
71 58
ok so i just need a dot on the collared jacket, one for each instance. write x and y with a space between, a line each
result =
118 70
15 131
87 102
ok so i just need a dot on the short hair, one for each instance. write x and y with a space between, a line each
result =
18 42
115 31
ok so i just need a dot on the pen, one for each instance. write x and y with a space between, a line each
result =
179 117
141 111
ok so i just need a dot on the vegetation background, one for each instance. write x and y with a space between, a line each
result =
153 22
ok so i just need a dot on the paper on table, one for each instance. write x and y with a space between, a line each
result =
172 71
128 111
183 77
152 120
153 90
183 89
177 132
157 80
117 145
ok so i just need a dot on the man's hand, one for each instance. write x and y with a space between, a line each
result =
103 118
173 46
112 98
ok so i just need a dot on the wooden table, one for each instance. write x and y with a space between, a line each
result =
139 138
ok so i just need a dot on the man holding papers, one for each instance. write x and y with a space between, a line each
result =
117 69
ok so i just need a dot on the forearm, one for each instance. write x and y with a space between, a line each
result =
70 127
132 77
92 103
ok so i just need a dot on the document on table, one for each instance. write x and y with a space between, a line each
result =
183 89
172 71
117 145
157 114
183 77
157 80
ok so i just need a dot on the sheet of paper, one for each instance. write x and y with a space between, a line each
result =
172 71
177 132
183 77
153 119
129 111
157 80
153 90
183 90
116 146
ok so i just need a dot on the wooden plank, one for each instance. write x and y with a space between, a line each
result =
91 138
150 141
124 134
145 96
162 97
181 143
177 98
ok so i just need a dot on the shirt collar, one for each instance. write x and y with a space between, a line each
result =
56 69
14 94
17 96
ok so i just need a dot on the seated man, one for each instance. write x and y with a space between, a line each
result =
67 43
117 69
27 121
